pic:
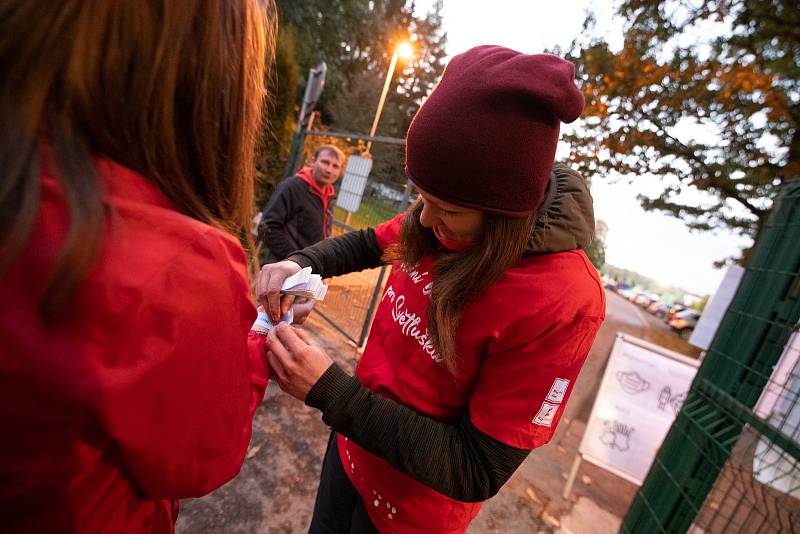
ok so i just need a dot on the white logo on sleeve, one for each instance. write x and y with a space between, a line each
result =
546 414
552 402
558 390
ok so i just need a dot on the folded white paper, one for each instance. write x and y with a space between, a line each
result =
305 284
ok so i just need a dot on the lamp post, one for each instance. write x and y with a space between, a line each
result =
405 51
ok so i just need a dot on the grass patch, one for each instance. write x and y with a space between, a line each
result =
371 212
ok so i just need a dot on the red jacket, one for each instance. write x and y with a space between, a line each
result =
144 388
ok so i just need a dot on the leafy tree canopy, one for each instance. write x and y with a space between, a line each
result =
702 99
356 39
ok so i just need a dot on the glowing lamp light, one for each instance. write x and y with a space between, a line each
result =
405 50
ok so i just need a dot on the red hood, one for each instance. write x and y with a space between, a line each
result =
325 192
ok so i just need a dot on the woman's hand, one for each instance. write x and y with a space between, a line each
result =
301 308
296 363
269 286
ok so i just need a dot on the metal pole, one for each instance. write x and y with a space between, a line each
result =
376 293
573 472
383 98
350 136
406 195
373 304
294 154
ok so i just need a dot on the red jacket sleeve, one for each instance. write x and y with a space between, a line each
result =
179 393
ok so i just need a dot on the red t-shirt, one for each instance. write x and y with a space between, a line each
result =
520 345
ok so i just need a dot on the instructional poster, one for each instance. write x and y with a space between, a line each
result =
643 389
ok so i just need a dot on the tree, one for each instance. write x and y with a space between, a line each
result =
596 251
356 39
273 142
715 120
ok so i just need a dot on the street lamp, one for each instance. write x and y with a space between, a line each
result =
404 50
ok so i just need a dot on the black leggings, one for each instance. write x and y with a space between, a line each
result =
339 509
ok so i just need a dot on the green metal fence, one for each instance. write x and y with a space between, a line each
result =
731 461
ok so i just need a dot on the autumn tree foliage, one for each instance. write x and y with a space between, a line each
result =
703 99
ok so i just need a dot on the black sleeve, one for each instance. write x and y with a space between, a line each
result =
351 252
458 461
276 216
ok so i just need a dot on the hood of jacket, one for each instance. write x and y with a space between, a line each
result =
566 217
324 192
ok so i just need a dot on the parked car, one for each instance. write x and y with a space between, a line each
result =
659 309
684 322
645 299
673 311
627 293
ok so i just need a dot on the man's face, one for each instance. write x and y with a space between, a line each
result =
325 168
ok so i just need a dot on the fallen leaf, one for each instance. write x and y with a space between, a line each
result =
533 496
252 452
550 519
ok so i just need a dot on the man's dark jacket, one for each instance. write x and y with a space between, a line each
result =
299 213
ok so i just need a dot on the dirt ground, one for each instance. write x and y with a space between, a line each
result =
275 490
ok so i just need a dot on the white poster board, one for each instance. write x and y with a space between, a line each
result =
642 391
779 407
355 179
715 309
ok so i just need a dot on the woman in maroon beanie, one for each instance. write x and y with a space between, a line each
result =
488 314
128 376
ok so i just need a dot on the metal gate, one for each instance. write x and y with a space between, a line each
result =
731 461
352 299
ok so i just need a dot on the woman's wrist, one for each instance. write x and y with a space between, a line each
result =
330 387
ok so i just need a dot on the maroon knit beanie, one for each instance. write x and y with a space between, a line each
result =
486 136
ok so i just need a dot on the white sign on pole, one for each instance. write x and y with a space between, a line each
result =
643 389
353 183
716 308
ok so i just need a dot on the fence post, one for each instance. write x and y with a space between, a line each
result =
295 151
748 343
373 304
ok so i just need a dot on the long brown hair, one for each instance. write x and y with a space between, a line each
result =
459 277
170 89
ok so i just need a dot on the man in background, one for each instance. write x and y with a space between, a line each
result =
300 212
